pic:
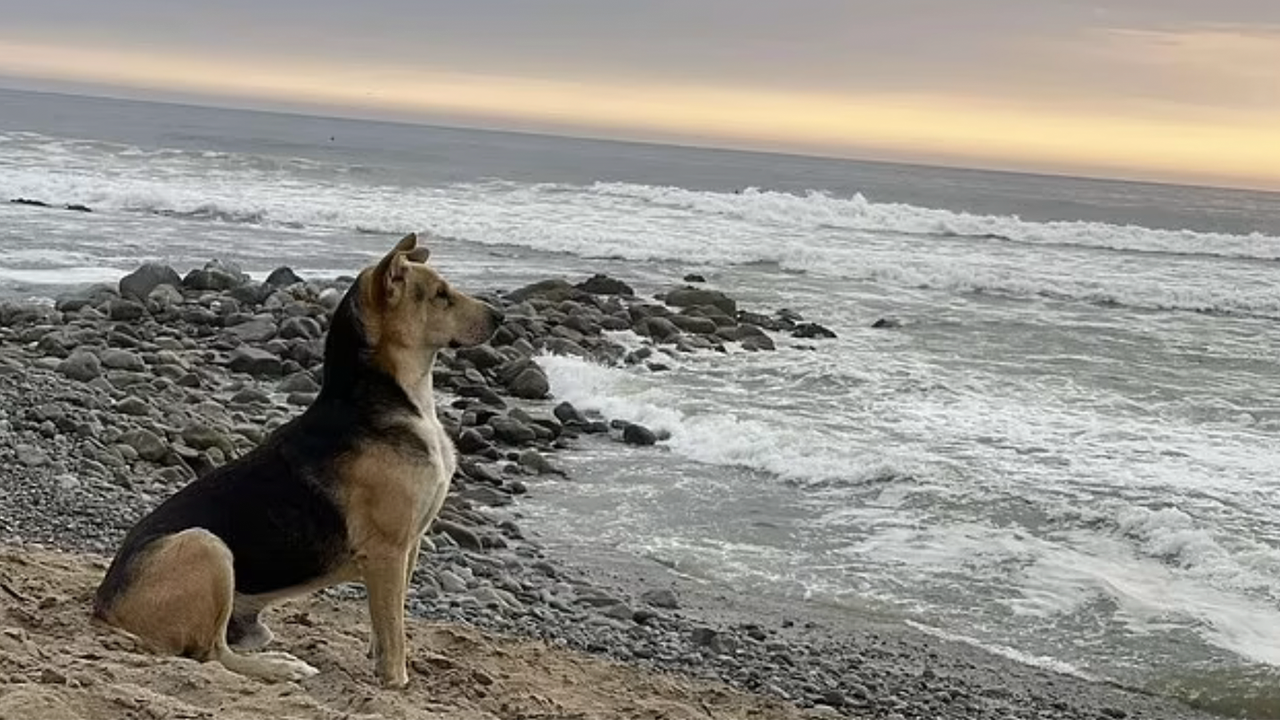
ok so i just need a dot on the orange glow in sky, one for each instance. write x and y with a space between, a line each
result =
1213 145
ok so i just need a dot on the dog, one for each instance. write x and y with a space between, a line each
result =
342 493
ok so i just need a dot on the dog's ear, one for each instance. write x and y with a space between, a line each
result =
420 254
392 269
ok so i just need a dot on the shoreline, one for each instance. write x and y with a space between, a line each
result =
112 402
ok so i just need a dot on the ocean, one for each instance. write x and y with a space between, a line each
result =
1067 452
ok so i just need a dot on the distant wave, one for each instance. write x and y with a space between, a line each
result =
819 234
817 209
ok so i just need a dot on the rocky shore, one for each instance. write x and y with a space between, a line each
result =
112 398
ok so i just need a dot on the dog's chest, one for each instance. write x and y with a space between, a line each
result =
435 471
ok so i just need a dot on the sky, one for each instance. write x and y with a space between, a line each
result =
1175 90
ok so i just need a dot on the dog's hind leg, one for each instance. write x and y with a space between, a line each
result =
245 630
180 599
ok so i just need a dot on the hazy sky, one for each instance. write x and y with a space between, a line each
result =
1174 89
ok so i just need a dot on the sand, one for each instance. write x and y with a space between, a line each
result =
58 664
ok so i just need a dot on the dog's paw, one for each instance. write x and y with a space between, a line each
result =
395 679
288 667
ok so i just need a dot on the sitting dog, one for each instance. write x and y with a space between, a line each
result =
344 492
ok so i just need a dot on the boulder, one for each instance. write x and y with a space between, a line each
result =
554 290
691 296
634 434
282 277
811 330
139 283
604 285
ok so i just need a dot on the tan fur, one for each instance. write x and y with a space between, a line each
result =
183 595
181 600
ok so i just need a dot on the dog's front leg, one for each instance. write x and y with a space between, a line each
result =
384 576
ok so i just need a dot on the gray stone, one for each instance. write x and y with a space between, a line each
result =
300 327
139 283
255 331
692 297
31 456
147 444
118 359
535 462
660 597
251 396
634 434
530 384
604 285
81 365
450 582
254 362
299 382
482 357
758 342
511 431
163 297
282 277
125 310
133 405
554 290
659 328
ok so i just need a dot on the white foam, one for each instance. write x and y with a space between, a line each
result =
1039 661
710 433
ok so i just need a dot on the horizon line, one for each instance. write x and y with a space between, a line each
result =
353 113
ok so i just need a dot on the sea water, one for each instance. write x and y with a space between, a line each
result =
1066 451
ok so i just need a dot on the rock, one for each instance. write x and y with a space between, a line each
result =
251 396
694 324
755 343
535 462
567 414
300 382
471 442
659 328
811 330
511 431
133 405
530 384
554 290
300 327
202 437
692 297
282 277
139 283
618 611
253 361
660 597
886 323
450 582
464 536
163 298
81 365
257 330
694 278
482 357
125 310
634 434
31 456
147 444
604 285
215 275
117 359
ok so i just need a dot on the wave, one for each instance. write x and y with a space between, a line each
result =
797 455
815 234
817 209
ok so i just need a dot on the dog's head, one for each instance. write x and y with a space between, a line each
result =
407 309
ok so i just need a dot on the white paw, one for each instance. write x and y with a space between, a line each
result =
291 668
